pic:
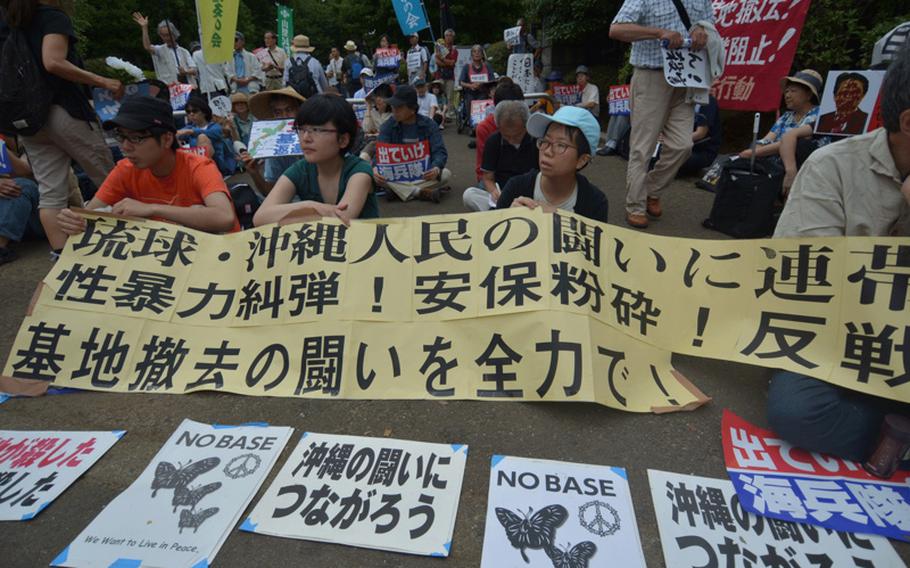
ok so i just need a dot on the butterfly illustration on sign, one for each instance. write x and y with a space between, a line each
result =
534 531
178 478
576 556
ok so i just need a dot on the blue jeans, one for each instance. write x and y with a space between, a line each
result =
19 213
822 417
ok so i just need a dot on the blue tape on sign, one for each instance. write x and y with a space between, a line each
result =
248 525
204 563
4 398
61 558
304 435
228 426
28 516
448 546
620 472
126 563
118 433
456 447
496 459
63 390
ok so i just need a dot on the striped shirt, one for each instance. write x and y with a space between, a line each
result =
659 14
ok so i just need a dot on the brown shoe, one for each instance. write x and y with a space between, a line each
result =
427 194
637 220
654 208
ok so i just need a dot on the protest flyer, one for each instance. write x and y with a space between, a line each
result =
106 106
552 513
414 61
387 57
849 102
684 67
618 99
702 523
381 493
180 94
775 479
512 36
567 94
403 162
272 138
180 510
36 467
480 110
521 70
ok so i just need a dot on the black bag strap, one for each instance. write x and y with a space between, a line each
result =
683 15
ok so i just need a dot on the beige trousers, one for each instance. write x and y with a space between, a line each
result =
409 190
656 108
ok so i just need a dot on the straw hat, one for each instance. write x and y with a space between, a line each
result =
259 103
302 43
350 46
239 97
809 78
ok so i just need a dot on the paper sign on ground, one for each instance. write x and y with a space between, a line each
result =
567 94
271 138
378 493
512 36
686 68
849 103
403 162
702 523
618 98
774 479
180 510
551 513
521 70
480 110
36 467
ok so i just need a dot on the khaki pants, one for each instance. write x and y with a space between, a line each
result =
409 190
656 108
52 148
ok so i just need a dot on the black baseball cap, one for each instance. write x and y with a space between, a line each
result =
405 95
142 113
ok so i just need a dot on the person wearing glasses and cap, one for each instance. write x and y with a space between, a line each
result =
245 69
155 181
566 141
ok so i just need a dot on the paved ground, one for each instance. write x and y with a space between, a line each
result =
586 433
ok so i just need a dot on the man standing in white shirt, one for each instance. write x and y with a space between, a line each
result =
246 74
418 61
173 64
275 59
334 68
212 76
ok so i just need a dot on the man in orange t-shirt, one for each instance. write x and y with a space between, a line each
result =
155 181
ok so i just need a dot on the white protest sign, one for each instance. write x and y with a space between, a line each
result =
551 513
221 105
512 36
521 70
378 493
414 61
403 162
180 510
36 467
686 68
850 103
566 94
271 138
702 523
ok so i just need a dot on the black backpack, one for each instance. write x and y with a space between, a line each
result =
246 203
744 206
25 95
301 78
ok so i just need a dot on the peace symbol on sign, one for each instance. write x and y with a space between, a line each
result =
242 466
595 522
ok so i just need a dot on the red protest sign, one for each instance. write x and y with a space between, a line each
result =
760 39
403 162
567 94
618 99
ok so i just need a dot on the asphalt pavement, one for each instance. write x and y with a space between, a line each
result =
685 442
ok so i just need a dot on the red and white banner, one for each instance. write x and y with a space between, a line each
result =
567 94
619 99
403 162
180 94
760 38
480 110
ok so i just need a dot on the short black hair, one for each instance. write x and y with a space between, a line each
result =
322 108
198 103
852 76
158 132
383 90
507 92
896 91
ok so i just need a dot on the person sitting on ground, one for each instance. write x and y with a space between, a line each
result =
408 127
546 105
203 132
706 138
243 122
566 141
506 90
18 206
850 188
437 89
590 94
330 180
377 113
429 106
509 152
801 96
281 104
155 181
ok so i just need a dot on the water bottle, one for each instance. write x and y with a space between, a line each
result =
687 43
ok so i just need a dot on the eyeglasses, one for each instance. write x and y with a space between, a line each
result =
314 130
135 139
559 148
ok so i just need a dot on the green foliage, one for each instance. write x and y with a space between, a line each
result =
573 21
498 56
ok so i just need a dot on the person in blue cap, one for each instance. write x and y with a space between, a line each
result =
566 141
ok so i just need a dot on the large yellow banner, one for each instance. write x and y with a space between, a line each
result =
217 25
505 305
